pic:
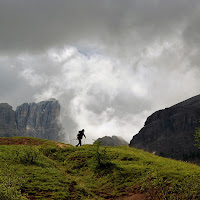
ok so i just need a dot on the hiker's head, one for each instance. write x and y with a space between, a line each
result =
83 130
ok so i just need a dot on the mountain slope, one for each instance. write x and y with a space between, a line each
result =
170 132
42 170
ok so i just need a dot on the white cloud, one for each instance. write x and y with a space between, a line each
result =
34 79
110 63
101 94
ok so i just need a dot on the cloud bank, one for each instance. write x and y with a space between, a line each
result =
109 63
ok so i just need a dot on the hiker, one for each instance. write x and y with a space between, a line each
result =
80 136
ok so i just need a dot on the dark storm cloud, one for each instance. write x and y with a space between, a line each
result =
110 63
38 25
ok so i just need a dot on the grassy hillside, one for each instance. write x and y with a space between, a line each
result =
41 169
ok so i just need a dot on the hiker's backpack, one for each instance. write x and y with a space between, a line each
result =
79 136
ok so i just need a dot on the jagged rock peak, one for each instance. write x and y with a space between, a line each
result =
52 100
7 121
37 119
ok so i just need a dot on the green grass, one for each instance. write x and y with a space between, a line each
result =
42 170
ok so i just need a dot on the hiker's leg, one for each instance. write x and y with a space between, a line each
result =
78 143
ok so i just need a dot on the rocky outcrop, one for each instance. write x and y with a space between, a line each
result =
39 120
8 126
170 132
112 141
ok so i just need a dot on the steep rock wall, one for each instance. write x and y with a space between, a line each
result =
8 126
39 120
170 132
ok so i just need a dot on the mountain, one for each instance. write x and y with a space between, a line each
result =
112 141
8 126
170 132
39 120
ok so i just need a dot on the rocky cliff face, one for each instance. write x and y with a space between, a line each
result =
8 126
170 132
39 120
112 141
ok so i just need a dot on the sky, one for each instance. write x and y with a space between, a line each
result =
110 63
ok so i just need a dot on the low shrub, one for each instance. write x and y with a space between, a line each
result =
27 155
100 160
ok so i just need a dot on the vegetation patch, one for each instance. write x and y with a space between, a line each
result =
47 171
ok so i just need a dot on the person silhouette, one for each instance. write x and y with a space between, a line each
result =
80 136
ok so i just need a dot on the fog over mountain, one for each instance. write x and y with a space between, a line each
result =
110 63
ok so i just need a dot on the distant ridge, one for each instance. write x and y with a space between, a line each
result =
112 141
170 132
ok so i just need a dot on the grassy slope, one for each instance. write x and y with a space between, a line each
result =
42 170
